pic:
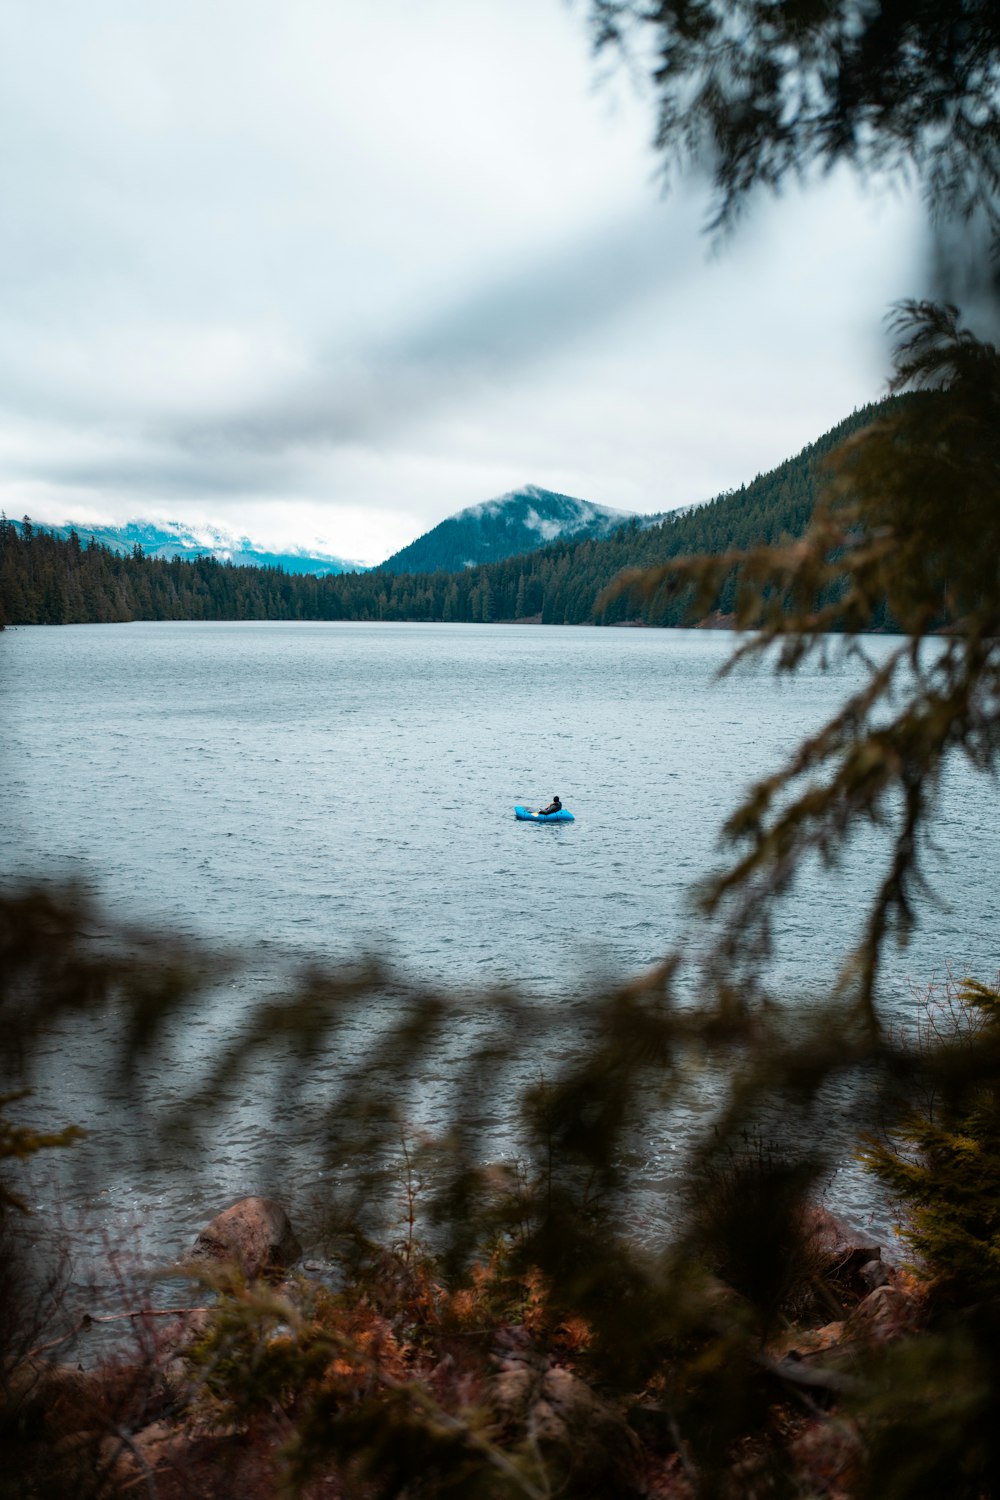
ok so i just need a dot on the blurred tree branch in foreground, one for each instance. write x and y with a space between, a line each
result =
756 92
520 1286
910 522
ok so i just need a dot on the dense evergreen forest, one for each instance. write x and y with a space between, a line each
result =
47 580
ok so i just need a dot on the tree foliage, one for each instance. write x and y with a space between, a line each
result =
761 91
433 1363
943 1161
909 523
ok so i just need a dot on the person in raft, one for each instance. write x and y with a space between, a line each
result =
554 806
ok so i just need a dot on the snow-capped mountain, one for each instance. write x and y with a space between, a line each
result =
517 522
174 539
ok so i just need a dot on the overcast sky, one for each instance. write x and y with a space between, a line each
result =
326 271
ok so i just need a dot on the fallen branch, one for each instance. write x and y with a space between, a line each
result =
89 1318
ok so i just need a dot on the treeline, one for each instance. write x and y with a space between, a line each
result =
46 580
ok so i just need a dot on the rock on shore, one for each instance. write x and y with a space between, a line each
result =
253 1234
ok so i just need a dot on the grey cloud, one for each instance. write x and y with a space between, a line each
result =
554 303
481 340
170 477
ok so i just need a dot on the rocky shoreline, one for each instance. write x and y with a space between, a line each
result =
157 1425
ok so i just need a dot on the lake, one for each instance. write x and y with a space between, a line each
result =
327 790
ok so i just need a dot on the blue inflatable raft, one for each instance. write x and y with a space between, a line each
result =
525 815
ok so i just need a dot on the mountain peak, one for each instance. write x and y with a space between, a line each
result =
519 521
202 539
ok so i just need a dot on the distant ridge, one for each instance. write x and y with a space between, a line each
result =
46 579
520 521
171 539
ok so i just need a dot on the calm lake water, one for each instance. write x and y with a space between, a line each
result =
329 790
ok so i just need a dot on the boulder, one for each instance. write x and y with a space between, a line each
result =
885 1314
38 1398
837 1249
828 1457
584 1444
801 1343
253 1234
873 1274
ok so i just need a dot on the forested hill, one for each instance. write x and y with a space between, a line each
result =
50 580
509 526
